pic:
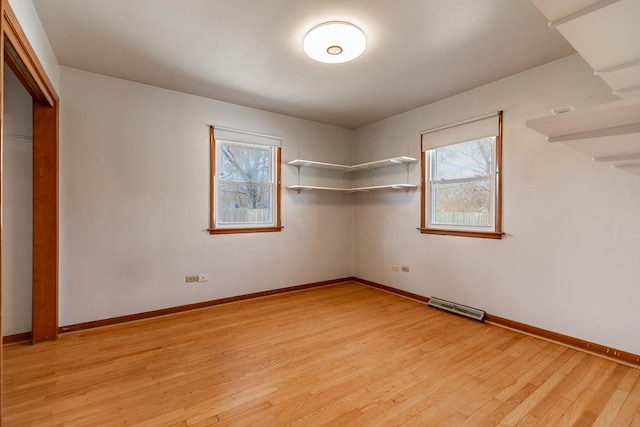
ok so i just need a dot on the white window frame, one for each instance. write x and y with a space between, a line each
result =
216 225
431 158
465 131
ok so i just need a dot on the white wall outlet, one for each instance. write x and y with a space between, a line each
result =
395 268
204 277
405 268
190 279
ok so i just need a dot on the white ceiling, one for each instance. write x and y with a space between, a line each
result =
249 52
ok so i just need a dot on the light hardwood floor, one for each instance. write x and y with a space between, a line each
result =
343 355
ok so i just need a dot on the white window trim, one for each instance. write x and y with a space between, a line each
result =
250 139
271 184
430 208
475 128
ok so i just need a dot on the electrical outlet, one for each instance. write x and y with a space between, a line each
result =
190 279
395 268
204 277
405 268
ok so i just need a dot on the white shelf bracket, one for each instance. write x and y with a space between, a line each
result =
407 181
298 167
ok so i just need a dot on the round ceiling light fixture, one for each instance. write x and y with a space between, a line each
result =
334 42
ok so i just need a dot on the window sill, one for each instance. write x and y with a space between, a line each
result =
463 233
245 230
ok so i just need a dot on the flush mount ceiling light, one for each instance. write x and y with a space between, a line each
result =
334 42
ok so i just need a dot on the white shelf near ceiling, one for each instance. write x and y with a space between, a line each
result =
606 33
613 118
606 132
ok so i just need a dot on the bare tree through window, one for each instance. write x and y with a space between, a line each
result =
461 183
462 176
245 183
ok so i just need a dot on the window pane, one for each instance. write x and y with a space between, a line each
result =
245 164
462 203
465 160
244 203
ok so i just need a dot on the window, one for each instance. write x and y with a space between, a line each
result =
461 192
245 182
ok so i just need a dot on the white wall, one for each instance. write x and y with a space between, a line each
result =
569 260
17 176
30 23
134 197
134 189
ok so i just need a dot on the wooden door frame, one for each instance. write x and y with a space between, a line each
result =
18 54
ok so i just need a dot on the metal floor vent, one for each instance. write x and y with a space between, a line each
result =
462 310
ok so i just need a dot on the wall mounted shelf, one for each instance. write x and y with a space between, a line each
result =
314 187
393 161
355 189
609 119
362 166
300 163
406 187
607 132
602 32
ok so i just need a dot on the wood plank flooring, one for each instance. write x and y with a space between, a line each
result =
341 355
